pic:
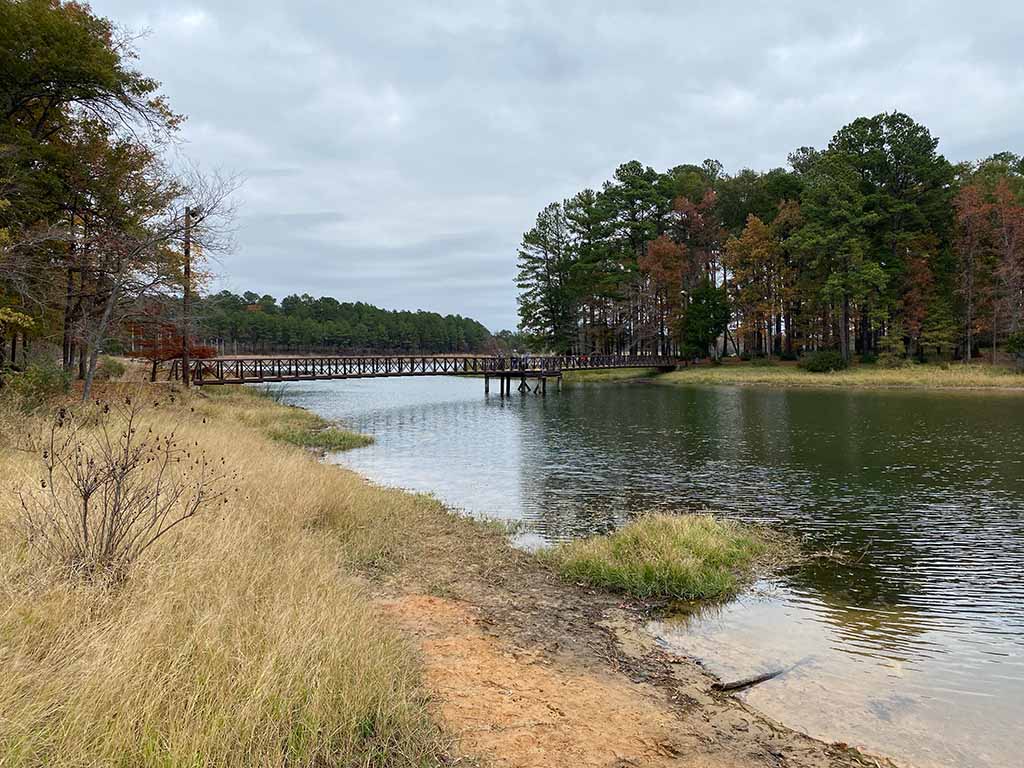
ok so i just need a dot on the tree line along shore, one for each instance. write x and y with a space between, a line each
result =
875 246
249 322
107 232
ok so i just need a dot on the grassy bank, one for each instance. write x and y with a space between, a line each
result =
287 423
261 633
246 638
610 374
925 376
683 557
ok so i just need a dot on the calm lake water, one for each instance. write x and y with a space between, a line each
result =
914 648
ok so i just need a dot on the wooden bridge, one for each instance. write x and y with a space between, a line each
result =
254 370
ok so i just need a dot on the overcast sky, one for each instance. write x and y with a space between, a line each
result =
395 152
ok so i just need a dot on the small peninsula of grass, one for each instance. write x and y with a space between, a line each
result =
331 439
669 556
287 423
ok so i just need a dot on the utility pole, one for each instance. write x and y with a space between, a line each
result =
187 298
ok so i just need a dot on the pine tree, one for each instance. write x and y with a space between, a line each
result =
547 309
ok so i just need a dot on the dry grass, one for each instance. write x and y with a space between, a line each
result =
673 556
246 639
928 376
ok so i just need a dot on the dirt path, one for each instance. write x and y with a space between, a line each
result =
516 708
528 671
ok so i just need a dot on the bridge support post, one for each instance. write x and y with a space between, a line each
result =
543 386
487 384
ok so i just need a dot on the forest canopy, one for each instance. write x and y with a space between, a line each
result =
102 225
876 244
94 210
253 323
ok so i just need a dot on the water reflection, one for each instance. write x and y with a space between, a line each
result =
892 681
923 626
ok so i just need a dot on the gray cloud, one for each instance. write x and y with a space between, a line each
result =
395 152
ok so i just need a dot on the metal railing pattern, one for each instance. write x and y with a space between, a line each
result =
242 370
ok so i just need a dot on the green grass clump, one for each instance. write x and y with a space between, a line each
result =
824 361
682 557
609 374
323 438
29 390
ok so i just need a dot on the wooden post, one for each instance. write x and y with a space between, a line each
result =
543 386
186 297
487 384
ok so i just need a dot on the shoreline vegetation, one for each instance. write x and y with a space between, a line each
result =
246 638
875 245
678 557
609 375
788 374
317 619
295 425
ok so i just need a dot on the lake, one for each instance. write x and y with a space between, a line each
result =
908 640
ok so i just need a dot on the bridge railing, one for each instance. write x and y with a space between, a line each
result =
255 369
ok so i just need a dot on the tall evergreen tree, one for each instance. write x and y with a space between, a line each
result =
547 306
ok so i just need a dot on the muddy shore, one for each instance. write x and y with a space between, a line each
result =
527 670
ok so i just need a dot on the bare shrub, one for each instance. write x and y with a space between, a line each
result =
108 491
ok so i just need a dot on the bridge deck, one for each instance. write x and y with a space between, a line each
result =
244 370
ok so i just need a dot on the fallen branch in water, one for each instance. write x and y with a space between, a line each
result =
746 682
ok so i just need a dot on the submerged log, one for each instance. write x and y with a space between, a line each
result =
746 682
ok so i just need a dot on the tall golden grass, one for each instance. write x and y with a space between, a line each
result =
246 639
927 376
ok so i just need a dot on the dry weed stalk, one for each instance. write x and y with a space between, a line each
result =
109 492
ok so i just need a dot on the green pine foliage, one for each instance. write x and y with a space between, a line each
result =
939 334
825 361
704 318
298 323
876 244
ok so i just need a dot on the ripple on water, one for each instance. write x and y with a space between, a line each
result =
905 688
914 646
